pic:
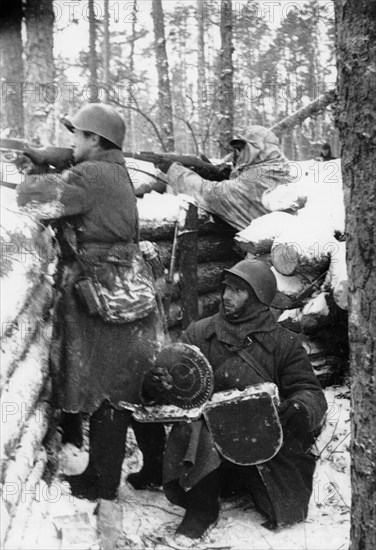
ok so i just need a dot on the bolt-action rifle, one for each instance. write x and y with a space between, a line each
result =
15 150
202 167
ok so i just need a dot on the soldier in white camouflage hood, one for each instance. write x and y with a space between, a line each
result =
258 166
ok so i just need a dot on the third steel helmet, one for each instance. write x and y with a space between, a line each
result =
100 119
258 276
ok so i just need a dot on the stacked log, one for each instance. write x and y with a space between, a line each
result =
26 299
302 239
215 252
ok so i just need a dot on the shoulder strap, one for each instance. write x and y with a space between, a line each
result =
247 358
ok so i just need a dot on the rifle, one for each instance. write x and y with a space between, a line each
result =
15 151
202 167
62 157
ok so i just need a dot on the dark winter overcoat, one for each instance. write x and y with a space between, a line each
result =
191 453
92 361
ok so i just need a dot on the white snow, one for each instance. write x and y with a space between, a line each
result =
148 516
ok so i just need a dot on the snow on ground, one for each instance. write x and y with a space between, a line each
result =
60 521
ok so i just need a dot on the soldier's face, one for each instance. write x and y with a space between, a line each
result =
234 301
82 146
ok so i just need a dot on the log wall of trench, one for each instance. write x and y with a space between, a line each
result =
27 264
215 252
311 299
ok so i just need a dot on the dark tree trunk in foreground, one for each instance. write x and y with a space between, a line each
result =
11 67
226 95
41 93
164 90
356 54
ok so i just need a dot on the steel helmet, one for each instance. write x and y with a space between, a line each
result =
258 275
100 119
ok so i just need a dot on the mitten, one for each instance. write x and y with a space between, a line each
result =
294 419
156 382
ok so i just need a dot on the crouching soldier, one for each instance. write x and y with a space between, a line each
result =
245 346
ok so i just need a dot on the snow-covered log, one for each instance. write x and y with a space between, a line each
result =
18 467
259 236
296 287
210 248
18 334
28 494
304 246
317 186
207 305
209 277
158 214
21 394
314 314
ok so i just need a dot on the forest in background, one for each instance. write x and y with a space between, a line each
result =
185 75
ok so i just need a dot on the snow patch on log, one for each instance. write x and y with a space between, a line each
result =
317 185
303 246
29 493
293 286
17 335
259 236
20 396
18 468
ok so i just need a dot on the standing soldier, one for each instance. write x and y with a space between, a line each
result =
106 325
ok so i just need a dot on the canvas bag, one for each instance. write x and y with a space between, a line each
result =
123 285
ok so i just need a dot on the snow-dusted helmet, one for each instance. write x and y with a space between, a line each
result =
99 119
258 276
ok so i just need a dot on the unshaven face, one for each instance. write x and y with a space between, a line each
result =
234 300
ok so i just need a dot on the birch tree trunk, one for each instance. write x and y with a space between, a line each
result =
201 75
164 90
356 60
11 66
106 52
226 95
93 61
40 91
129 112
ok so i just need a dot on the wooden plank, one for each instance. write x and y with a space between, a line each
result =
188 248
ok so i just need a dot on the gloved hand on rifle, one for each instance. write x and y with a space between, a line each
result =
163 165
27 164
224 171
156 382
294 419
42 157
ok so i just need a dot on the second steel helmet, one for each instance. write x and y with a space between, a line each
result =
258 275
100 119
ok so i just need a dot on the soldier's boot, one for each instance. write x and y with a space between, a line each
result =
108 430
71 426
151 439
202 508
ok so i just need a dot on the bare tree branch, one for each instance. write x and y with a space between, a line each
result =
146 117
189 126
309 110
